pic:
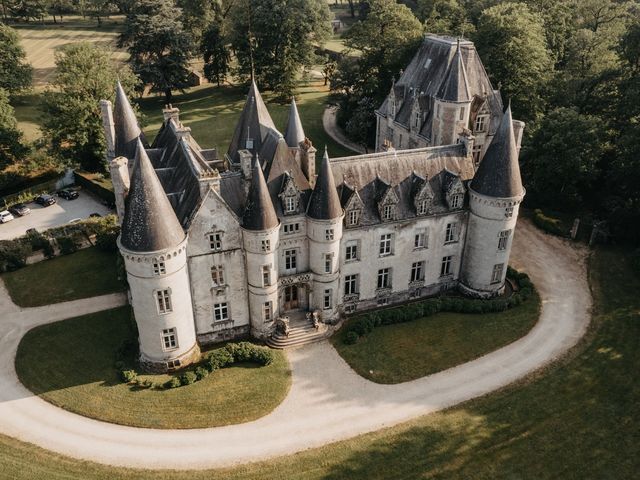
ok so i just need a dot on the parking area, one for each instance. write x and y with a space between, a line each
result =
42 218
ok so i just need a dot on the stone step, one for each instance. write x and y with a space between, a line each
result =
298 336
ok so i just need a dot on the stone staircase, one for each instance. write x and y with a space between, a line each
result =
301 332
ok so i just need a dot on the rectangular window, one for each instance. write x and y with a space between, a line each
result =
266 275
220 312
480 124
445 268
215 241
266 245
169 339
476 154
503 239
266 312
451 235
420 240
384 278
456 201
385 244
164 301
496 275
417 271
351 284
328 263
159 268
400 141
328 235
353 217
290 260
290 204
423 207
290 228
508 213
351 253
387 212
462 113
217 275
327 299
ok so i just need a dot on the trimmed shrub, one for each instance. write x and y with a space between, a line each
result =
351 337
188 378
548 224
128 376
173 383
201 373
219 359
248 352
13 255
67 245
263 356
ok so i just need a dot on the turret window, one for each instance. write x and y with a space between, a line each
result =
169 339
215 241
266 275
328 263
508 213
220 312
159 268
217 275
462 110
326 303
503 239
267 313
163 298
265 245
496 275
329 234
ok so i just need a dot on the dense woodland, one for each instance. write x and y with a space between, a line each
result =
571 69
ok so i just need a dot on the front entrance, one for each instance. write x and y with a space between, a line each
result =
291 297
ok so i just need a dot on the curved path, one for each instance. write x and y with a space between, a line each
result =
327 402
330 126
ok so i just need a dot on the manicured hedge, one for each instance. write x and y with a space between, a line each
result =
548 224
364 324
95 184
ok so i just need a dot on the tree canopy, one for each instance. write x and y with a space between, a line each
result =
15 72
12 149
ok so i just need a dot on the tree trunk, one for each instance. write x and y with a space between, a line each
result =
168 95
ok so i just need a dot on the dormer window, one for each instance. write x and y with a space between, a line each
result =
290 204
480 124
388 212
393 108
456 201
423 207
417 119
353 217
289 196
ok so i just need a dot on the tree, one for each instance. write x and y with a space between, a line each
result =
444 17
11 147
85 74
511 41
276 38
216 54
197 16
15 72
562 161
30 9
158 45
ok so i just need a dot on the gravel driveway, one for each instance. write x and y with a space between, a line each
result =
328 401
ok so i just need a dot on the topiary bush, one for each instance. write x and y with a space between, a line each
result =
173 383
188 378
351 337
201 373
128 376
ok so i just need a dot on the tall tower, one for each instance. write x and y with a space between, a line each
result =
153 245
324 230
260 236
495 195
294 134
452 103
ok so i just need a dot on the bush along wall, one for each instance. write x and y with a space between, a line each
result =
548 224
363 324
232 353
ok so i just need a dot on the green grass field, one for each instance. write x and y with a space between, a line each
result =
578 419
406 351
86 273
83 379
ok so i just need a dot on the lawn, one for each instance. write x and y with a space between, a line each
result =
83 379
86 273
576 420
406 351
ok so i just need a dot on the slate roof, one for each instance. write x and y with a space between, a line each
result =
127 130
149 223
294 133
259 213
499 172
455 87
325 202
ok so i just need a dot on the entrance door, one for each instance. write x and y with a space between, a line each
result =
291 297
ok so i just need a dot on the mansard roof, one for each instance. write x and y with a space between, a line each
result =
499 172
149 223
259 213
325 203
254 123
127 130
455 87
294 133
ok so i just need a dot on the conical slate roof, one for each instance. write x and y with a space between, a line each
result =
126 125
254 119
455 86
294 133
324 203
259 213
149 223
499 172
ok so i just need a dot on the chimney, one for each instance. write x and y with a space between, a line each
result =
170 111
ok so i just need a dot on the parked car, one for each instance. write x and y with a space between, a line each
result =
45 200
94 215
20 209
68 194
5 216
75 220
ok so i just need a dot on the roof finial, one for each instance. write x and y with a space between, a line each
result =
326 153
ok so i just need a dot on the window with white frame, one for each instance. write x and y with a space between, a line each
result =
423 207
328 263
169 339
265 245
329 234
353 217
496 275
351 251
388 212
456 200
266 275
451 234
480 124
290 204
290 259
420 240
215 241
446 266
290 228
385 244
384 278
326 303
163 298
508 212
217 275
351 284
159 268
267 313
220 312
417 271
503 239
